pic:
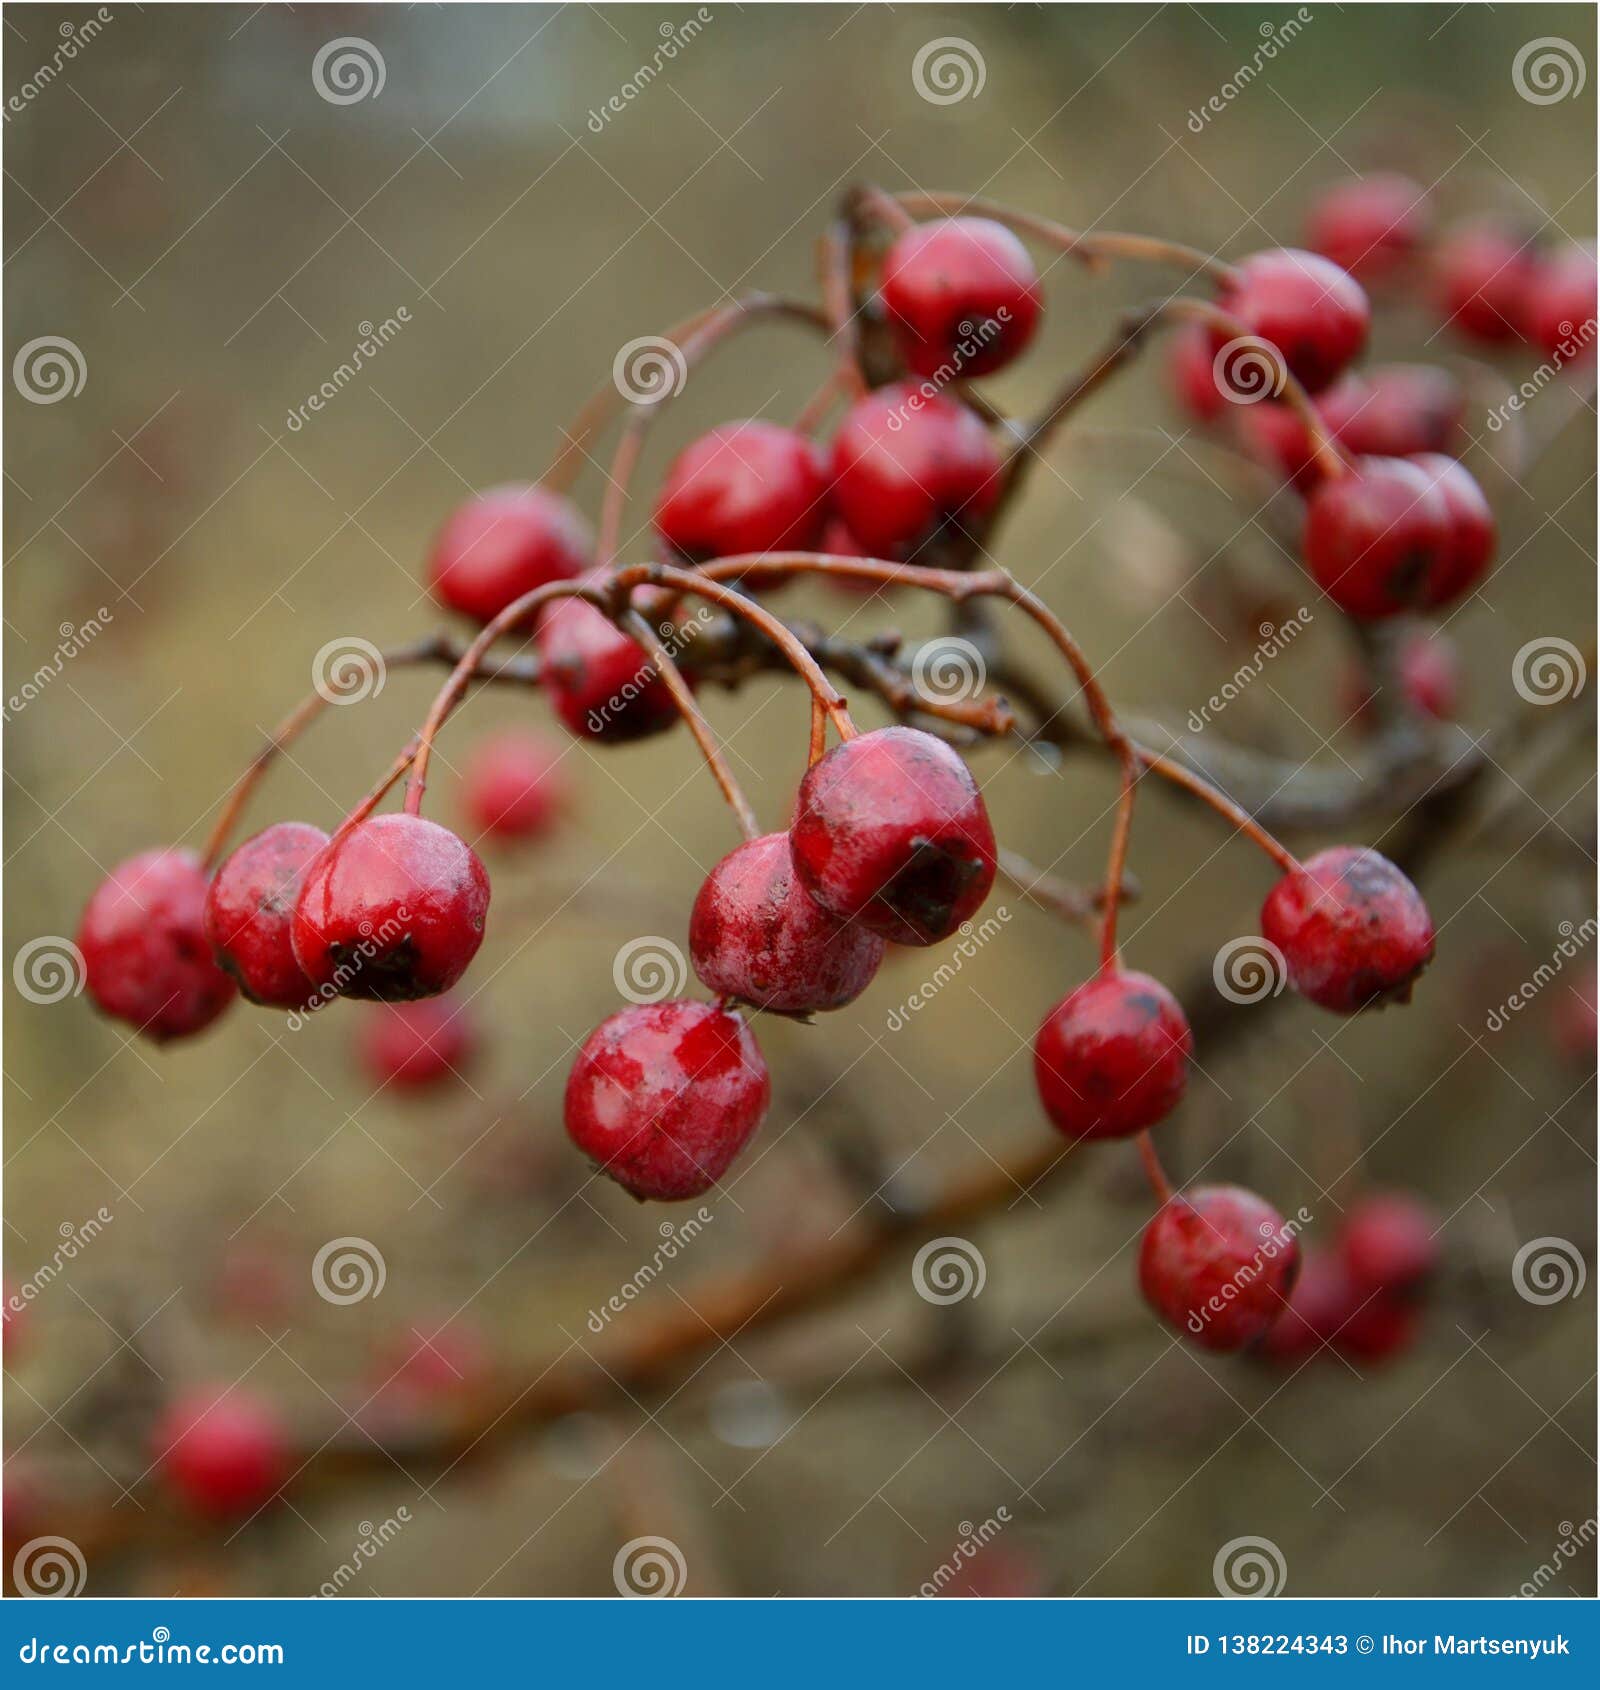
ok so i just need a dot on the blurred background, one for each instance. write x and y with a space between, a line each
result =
214 237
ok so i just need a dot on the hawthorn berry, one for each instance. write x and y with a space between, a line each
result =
503 543
908 466
1369 225
890 831
1559 311
1192 374
756 934
1354 932
1483 271
513 787
744 487
1376 1326
1376 536
146 957
663 1096
1218 1264
1395 410
1471 535
1311 310
1577 1017
1388 1242
961 295
225 1452
1112 1057
249 911
412 1045
602 684
391 909
1319 1303
1428 668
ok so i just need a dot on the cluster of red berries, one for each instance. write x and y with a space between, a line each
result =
890 842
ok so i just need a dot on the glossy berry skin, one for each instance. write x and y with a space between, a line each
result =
1471 533
1375 537
1483 271
147 960
1354 932
1311 310
393 910
415 1045
1112 1057
744 487
1559 313
223 1451
906 465
891 831
503 543
601 684
1387 1242
663 1096
1369 225
513 787
1191 373
250 909
756 934
1218 1265
962 297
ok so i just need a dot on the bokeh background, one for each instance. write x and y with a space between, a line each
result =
211 234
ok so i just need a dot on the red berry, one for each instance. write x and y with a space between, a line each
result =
415 1370
513 787
1370 224
890 830
1483 273
1311 310
1577 1017
1469 548
602 684
1354 932
411 1045
962 297
223 1451
249 911
146 957
1112 1057
1559 311
908 465
1428 666
1376 536
1191 369
1395 410
1218 1264
757 935
663 1096
393 909
1387 1241
1375 1326
504 543
744 487
1319 1303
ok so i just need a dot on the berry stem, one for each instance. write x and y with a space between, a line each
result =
833 265
1221 803
1080 905
1116 863
1153 1171
672 678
